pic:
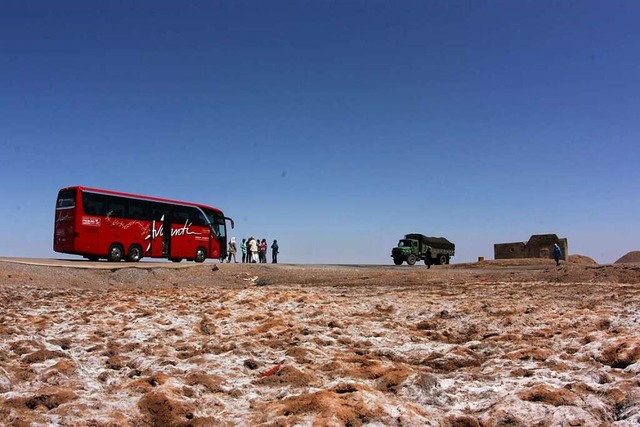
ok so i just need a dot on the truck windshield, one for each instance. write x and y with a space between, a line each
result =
404 243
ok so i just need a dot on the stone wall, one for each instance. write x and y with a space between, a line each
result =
538 246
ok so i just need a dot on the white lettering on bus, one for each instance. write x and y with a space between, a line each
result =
184 230
64 217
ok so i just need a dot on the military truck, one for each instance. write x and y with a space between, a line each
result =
414 247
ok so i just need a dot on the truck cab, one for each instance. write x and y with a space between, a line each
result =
407 250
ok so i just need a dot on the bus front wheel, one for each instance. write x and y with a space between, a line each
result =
115 253
201 255
135 253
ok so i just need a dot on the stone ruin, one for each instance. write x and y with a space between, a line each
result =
538 246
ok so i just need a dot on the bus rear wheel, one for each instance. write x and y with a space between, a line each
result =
201 255
135 253
115 253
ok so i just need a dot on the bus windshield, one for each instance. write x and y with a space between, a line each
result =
217 222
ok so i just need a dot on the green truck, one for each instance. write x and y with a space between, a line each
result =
415 247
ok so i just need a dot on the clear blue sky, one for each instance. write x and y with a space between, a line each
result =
334 126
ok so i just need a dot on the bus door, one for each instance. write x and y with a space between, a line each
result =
159 245
219 237
218 240
166 237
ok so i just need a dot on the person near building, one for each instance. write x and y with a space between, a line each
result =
557 253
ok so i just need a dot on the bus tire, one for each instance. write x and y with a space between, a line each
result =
175 259
442 260
201 255
135 253
115 253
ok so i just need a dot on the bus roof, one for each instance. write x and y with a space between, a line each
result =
137 196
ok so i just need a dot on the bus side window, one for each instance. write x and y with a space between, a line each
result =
94 204
199 218
135 212
161 212
91 209
196 217
181 215
116 207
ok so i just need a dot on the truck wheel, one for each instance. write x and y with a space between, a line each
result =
411 259
442 260
397 261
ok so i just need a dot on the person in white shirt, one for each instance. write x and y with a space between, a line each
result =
253 246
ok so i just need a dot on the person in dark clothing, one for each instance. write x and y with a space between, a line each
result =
274 252
427 259
557 253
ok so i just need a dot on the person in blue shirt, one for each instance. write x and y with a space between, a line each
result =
557 253
243 248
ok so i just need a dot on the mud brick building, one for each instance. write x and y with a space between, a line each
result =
538 246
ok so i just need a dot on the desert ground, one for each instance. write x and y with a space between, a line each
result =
494 343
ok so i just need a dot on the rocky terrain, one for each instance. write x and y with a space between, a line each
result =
510 343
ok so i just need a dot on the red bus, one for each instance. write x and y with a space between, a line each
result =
112 225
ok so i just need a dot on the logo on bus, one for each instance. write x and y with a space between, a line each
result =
91 221
182 231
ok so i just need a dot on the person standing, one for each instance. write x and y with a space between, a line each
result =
557 253
232 251
243 248
427 257
274 252
253 247
263 250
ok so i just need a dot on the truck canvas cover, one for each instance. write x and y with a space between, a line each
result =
434 242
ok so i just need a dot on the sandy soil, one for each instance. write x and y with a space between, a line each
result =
518 343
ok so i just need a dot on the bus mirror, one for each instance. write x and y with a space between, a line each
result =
231 221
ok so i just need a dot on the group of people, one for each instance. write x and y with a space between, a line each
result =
253 250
